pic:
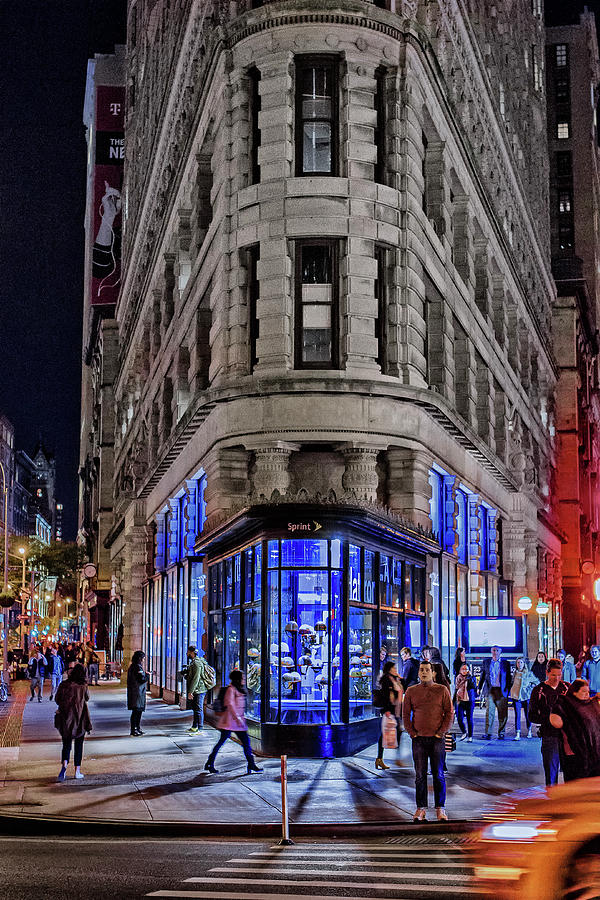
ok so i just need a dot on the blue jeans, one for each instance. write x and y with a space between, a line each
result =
551 758
425 749
225 735
198 708
518 705
465 708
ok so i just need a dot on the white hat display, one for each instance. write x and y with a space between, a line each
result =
322 680
285 648
355 648
287 662
291 677
320 626
291 627
253 653
355 673
306 629
355 661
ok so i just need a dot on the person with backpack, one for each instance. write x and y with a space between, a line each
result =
232 721
36 669
200 678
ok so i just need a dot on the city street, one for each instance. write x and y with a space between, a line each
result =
411 867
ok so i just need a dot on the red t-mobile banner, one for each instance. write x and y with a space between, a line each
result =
106 203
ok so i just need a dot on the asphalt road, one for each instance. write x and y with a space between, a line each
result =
45 868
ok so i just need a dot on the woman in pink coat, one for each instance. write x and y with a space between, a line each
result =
233 721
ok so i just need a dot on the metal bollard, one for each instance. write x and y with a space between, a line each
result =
285 825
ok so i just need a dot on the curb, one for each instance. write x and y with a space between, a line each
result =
65 825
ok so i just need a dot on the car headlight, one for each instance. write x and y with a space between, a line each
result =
519 831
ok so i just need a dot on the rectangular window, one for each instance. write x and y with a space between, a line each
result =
381 298
254 92
538 77
316 305
379 136
561 87
424 168
566 236
564 167
561 55
562 131
537 8
253 293
316 116
565 201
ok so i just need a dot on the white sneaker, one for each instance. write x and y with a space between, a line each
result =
79 775
463 737
441 814
469 740
518 736
529 733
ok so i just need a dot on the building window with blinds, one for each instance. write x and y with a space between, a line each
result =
316 339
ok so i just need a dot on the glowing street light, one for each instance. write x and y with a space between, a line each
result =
524 603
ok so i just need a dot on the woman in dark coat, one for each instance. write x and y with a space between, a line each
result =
137 679
72 718
460 658
392 693
539 666
578 717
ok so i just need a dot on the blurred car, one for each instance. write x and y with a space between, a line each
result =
543 843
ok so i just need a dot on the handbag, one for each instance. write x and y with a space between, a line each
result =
389 731
449 742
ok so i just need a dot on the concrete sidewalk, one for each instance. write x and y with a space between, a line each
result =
158 778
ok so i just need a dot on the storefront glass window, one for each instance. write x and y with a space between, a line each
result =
354 583
303 553
257 572
248 554
335 639
183 620
274 642
157 633
461 525
228 591
252 657
360 633
216 648
196 601
408 587
232 641
273 551
171 630
389 649
237 579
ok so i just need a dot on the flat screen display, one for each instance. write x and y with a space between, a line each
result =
479 633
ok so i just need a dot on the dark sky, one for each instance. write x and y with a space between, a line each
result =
44 47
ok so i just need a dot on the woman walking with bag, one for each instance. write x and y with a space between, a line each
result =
463 701
391 695
72 719
523 684
233 721
137 679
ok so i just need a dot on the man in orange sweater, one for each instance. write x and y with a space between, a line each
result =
427 714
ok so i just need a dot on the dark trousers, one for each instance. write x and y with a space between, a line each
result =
518 705
66 749
572 768
225 735
464 708
136 719
198 708
551 758
424 750
380 742
496 701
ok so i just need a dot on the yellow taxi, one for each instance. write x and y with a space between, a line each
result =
543 844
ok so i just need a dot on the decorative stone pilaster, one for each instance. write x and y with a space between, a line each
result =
173 533
474 535
271 470
462 230
465 376
360 474
499 310
191 526
160 557
485 403
136 569
227 484
409 491
440 344
483 282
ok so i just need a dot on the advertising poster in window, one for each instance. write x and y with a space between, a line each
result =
106 195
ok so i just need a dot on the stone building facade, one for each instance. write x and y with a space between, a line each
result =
336 312
573 77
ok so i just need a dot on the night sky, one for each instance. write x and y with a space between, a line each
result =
44 47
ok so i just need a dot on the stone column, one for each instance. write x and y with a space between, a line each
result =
360 474
463 240
136 570
190 516
483 282
408 488
171 548
161 556
499 309
440 345
485 403
227 483
271 470
466 376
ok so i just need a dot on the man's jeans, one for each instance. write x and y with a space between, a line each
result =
93 672
198 708
55 681
494 701
551 758
423 750
37 682
244 740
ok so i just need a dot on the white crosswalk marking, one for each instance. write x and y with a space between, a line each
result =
322 871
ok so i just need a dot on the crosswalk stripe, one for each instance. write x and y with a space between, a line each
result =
292 853
366 863
405 878
397 850
445 890
414 873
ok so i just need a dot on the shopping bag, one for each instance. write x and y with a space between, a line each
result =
389 731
